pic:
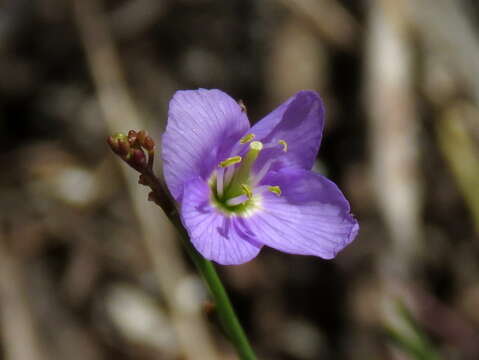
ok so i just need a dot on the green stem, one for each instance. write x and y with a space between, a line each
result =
225 310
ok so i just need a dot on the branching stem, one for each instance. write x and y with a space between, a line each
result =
162 198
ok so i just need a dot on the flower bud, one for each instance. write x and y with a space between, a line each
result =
123 147
149 143
132 136
140 135
113 143
138 158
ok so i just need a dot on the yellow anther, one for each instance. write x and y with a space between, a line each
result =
247 138
275 190
285 145
247 191
230 161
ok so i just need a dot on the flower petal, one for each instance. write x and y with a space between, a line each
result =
223 239
311 217
203 125
299 121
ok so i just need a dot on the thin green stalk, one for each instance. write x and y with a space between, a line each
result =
225 310
162 198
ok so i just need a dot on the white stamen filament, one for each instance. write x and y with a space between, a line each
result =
228 175
266 188
219 181
237 200
262 172
260 189
269 146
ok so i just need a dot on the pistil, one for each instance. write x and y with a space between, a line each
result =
242 174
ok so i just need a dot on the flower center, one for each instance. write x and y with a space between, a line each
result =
234 184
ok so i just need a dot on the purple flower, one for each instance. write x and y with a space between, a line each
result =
241 188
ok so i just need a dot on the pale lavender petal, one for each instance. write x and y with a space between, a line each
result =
223 239
311 217
300 122
203 125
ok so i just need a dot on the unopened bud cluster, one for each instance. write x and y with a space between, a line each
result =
137 148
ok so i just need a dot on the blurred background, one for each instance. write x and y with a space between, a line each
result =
89 269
